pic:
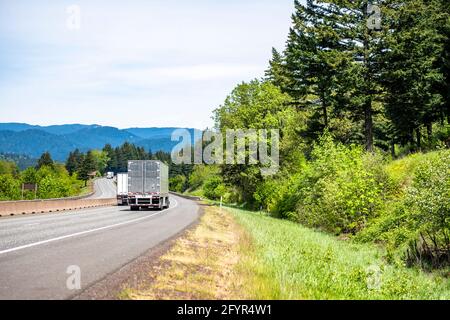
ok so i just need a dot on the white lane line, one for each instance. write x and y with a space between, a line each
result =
34 244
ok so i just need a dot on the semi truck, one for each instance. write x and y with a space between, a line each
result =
122 189
148 184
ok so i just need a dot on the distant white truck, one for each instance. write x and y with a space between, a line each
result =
110 175
122 189
148 184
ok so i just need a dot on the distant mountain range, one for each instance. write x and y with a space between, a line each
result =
59 140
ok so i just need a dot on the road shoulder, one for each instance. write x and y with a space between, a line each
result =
135 273
197 265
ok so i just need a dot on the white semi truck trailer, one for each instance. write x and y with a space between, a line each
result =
122 189
148 184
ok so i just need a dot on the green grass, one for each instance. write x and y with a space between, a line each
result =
84 190
288 261
401 171
195 193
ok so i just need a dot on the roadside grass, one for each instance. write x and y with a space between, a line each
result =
283 260
200 265
85 190
238 254
195 193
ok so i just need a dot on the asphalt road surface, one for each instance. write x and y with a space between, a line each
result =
40 255
104 189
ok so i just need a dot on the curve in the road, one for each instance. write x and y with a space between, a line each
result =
104 189
36 252
38 243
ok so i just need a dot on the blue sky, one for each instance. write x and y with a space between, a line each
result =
132 63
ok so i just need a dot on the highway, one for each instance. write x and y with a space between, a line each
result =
104 189
36 252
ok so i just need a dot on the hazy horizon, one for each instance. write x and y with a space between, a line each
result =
96 124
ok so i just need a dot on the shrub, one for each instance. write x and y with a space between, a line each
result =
427 209
8 167
280 196
200 174
214 188
53 187
416 225
9 187
178 183
341 189
29 175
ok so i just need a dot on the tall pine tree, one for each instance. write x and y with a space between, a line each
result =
86 167
45 160
411 69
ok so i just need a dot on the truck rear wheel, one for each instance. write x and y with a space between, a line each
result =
133 208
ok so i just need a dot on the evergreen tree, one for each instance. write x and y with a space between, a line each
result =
87 167
73 161
331 62
360 29
411 70
443 26
112 162
45 160
312 58
276 74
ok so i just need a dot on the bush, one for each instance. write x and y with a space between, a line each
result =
8 167
427 208
9 187
416 225
280 196
200 174
339 189
231 196
426 212
29 175
53 187
178 183
214 188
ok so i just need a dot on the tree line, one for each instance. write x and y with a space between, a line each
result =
116 159
349 97
381 85
51 180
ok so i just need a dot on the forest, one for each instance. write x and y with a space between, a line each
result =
363 111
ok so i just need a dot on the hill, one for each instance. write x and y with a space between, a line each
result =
32 140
